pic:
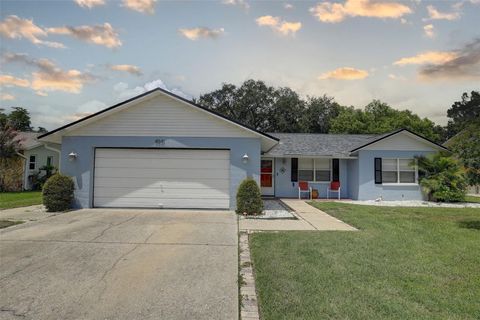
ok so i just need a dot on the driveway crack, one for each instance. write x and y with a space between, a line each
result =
114 225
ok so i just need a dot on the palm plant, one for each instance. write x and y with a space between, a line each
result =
442 178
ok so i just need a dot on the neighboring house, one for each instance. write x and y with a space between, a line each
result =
159 150
36 155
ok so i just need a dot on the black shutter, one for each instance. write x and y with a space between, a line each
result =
294 172
378 170
336 170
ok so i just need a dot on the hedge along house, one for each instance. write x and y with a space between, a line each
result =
159 150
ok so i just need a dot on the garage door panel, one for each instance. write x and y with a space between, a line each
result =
163 203
153 183
161 163
169 178
165 154
181 173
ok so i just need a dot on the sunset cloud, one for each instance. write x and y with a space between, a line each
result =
90 3
49 77
464 66
282 27
434 14
429 30
337 12
240 3
14 27
127 68
6 97
8 81
345 73
429 57
201 32
103 35
142 6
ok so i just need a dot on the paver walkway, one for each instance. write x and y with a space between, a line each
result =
309 218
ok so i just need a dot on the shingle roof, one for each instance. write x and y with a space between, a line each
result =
313 144
28 139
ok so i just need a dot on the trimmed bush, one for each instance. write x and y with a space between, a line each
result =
249 199
58 193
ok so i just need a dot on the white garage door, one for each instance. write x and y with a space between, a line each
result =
162 178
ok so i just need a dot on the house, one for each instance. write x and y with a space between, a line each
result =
159 150
36 155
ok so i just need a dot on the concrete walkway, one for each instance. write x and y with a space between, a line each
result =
309 218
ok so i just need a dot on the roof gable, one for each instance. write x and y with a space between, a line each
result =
158 113
401 140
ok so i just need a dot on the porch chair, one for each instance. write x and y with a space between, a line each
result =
304 187
334 187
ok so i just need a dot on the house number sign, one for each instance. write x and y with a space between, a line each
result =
160 142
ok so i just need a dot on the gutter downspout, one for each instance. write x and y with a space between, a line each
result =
25 177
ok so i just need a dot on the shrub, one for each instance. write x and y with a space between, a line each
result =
442 178
58 193
249 199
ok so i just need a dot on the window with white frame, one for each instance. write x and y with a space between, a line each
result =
32 162
316 170
399 171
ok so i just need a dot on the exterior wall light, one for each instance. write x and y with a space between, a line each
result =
245 158
72 156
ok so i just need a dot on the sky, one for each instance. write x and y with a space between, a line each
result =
63 60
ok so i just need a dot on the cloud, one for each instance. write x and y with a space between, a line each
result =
124 92
6 97
103 35
201 32
429 57
288 6
49 77
282 27
14 27
90 3
142 6
241 3
8 81
434 14
429 30
396 77
127 68
336 12
344 73
464 66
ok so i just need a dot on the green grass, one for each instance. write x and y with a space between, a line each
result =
8 223
472 199
10 200
404 263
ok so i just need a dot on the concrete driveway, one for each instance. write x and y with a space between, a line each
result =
121 264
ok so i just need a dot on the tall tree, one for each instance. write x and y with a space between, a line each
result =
378 117
19 119
318 114
3 118
463 113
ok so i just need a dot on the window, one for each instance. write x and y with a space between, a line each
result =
314 170
49 161
32 161
399 171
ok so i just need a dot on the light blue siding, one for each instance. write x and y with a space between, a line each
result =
368 190
285 188
352 168
82 168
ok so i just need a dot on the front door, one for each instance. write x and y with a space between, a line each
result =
267 177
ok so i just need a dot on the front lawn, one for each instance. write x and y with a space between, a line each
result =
8 223
404 263
472 199
10 200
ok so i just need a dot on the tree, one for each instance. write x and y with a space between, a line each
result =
42 130
3 118
442 178
9 145
319 113
378 117
19 119
466 146
463 113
